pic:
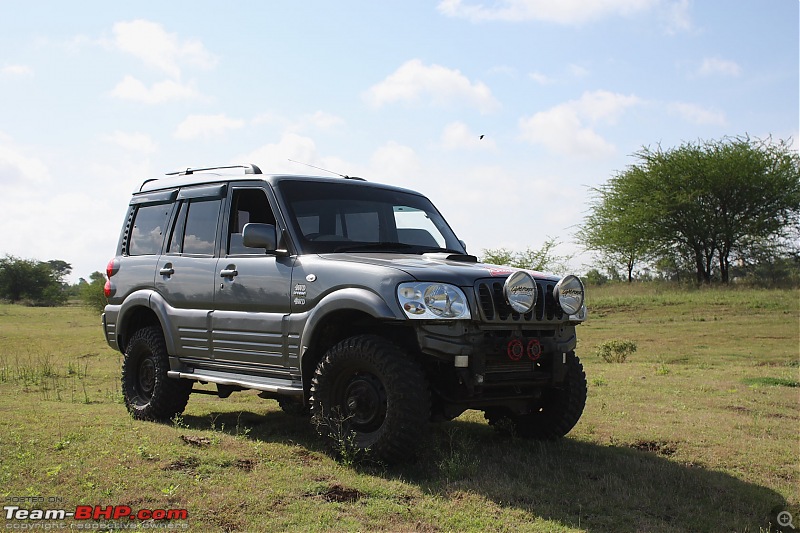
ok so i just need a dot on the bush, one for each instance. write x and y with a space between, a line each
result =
92 293
616 351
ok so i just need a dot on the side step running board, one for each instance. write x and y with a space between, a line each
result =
276 386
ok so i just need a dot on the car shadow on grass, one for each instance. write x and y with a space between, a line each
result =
572 482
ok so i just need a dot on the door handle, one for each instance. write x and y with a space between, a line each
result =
228 273
167 271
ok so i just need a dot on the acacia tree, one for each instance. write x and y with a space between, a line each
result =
710 201
611 228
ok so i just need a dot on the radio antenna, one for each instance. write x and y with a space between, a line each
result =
345 176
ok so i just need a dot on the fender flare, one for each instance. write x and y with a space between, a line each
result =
155 303
350 299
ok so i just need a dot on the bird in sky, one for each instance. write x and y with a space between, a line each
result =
481 137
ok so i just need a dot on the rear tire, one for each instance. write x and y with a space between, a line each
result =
149 394
370 400
554 416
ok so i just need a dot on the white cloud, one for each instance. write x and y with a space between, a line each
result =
414 81
578 71
569 12
713 66
541 79
19 168
604 105
698 115
132 142
565 128
133 89
196 126
319 120
457 135
676 17
396 164
164 51
16 71
272 158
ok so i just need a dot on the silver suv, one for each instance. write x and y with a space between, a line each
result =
352 300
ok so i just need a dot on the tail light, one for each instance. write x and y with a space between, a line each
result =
111 268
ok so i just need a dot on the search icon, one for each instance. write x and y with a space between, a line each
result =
785 519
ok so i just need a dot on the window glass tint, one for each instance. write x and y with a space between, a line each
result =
415 226
201 227
248 205
177 231
148 229
343 216
363 226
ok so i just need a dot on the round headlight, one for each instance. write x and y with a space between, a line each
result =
444 301
569 293
424 300
520 291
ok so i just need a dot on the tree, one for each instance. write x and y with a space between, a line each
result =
34 281
543 259
91 293
611 228
711 202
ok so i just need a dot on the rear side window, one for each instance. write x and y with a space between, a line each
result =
201 227
149 225
195 229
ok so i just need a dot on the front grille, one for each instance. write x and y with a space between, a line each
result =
495 308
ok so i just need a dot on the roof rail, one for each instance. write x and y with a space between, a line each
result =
248 169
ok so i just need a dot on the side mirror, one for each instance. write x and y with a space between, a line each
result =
260 236
463 244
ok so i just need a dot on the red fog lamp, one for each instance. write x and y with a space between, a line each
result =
515 349
534 350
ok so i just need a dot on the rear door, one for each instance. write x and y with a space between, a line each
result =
186 272
252 291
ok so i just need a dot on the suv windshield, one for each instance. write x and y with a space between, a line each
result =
355 217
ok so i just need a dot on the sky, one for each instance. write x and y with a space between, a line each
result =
99 96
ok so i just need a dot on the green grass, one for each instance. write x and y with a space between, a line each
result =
696 431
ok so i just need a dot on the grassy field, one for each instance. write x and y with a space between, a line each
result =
697 431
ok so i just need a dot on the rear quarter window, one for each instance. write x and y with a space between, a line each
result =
149 225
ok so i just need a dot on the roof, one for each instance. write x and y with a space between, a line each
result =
191 177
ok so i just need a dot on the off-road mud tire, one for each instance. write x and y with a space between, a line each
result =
149 394
554 415
370 397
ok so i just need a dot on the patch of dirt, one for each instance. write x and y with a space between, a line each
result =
245 464
738 409
183 463
200 442
337 493
663 448
340 494
305 456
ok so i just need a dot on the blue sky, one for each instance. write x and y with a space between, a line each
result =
99 96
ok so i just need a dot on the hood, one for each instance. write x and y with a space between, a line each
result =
448 268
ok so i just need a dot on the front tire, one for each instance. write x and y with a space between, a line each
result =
370 399
554 415
149 394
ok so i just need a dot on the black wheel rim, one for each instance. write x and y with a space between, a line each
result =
363 399
146 378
